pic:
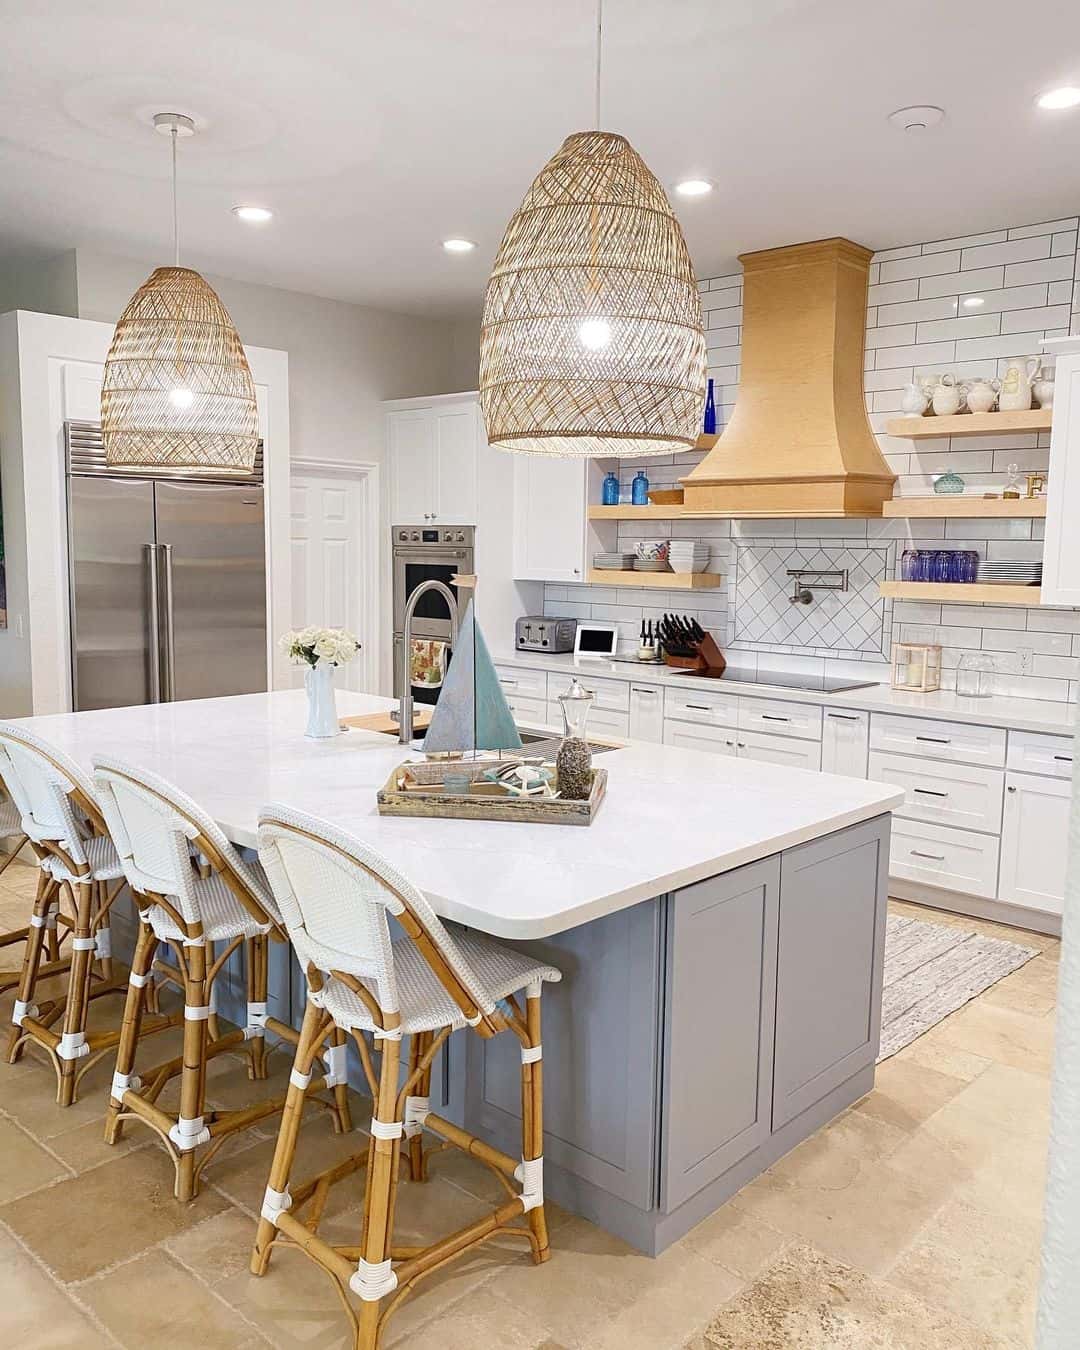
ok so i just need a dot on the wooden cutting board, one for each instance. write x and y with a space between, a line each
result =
384 723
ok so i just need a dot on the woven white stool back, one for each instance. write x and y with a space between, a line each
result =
41 779
334 894
152 824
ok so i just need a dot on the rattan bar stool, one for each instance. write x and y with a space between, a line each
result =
335 894
195 890
11 828
60 816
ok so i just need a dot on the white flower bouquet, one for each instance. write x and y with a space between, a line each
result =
310 646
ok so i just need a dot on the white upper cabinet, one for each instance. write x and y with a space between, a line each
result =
433 463
1061 557
549 518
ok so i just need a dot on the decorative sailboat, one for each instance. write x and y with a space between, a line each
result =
472 713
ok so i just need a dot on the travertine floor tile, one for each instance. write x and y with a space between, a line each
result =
79 1227
181 1310
1007 1036
34 1313
24 1165
218 1248
735 1240
947 1059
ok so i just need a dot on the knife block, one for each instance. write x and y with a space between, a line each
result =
708 657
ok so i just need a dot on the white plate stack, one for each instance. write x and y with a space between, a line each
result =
688 555
613 562
1006 572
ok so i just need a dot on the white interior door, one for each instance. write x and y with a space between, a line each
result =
334 564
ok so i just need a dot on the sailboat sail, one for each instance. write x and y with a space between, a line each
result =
472 712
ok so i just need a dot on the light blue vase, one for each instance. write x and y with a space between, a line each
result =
322 721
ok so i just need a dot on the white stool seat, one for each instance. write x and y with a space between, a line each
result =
223 916
105 864
425 1003
10 820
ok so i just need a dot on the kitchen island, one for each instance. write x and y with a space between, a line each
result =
720 929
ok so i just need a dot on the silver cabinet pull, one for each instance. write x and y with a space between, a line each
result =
934 857
1012 789
1065 759
650 692
153 605
504 680
729 742
774 717
170 633
699 707
842 717
937 740
929 792
741 745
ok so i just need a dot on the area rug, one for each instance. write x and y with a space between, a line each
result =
931 970
806 1301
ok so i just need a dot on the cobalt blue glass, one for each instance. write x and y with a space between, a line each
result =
609 493
639 489
709 424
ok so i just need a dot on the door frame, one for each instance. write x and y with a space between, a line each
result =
365 473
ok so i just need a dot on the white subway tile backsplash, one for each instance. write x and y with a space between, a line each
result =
1043 269
893 335
911 311
919 355
1059 292
891 292
962 283
1046 227
1064 243
931 264
1029 320
888 254
1013 251
1012 344
968 241
963 326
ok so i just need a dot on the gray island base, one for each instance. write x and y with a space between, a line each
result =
696 1037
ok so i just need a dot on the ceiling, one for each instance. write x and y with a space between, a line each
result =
375 130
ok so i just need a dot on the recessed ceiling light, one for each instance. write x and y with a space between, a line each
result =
919 117
694 187
253 215
974 301
1068 96
458 245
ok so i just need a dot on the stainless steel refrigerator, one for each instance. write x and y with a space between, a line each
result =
167 582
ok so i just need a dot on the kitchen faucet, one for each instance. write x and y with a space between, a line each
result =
405 698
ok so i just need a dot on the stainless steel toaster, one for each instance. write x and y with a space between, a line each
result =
543 633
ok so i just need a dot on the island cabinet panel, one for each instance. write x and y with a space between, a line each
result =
718 1026
600 1035
829 965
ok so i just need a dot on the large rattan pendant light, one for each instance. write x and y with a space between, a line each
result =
592 339
178 392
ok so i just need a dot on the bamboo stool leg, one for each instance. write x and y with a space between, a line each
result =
342 1111
73 1031
532 1120
189 1131
103 936
123 1078
277 1194
418 1047
257 979
374 1278
44 900
213 1030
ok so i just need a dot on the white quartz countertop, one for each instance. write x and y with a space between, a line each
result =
1021 714
671 816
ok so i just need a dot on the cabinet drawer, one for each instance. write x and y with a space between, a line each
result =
1036 753
787 750
532 712
602 721
526 683
611 694
691 736
701 705
937 855
945 794
780 718
938 740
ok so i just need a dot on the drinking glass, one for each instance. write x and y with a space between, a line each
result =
923 560
909 564
971 565
940 565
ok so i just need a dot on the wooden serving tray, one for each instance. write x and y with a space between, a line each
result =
416 790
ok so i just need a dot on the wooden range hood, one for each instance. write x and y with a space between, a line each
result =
798 443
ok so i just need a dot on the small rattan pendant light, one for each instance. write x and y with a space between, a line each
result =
178 392
592 340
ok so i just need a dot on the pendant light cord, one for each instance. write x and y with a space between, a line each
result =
599 50
175 212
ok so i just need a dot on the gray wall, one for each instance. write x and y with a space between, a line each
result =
45 285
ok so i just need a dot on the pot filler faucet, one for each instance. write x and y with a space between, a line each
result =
405 698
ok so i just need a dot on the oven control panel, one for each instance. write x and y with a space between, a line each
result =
423 535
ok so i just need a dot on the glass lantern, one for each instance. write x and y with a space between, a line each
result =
917 666
573 763
975 672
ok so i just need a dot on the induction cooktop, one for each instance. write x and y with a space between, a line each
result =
783 679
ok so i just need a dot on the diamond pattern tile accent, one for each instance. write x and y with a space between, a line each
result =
847 621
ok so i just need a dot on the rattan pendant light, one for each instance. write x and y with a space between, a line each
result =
178 392
592 340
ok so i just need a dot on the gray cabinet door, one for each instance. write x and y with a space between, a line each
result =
832 947
600 1032
718 1027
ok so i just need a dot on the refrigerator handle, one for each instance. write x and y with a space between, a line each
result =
154 651
170 634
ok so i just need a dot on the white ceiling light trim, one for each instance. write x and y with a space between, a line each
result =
694 187
457 245
919 117
253 215
1055 100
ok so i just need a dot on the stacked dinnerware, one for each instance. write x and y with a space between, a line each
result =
688 555
613 562
1004 571
651 555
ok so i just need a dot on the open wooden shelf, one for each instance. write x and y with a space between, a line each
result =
962 593
1027 508
706 442
669 512
668 581
970 424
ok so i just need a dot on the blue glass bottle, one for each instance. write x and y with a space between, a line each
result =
709 424
639 489
609 493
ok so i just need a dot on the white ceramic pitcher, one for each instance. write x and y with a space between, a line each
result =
1015 395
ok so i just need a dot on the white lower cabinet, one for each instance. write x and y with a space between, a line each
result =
531 712
688 736
787 750
602 721
845 742
944 794
646 712
1034 841
958 860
